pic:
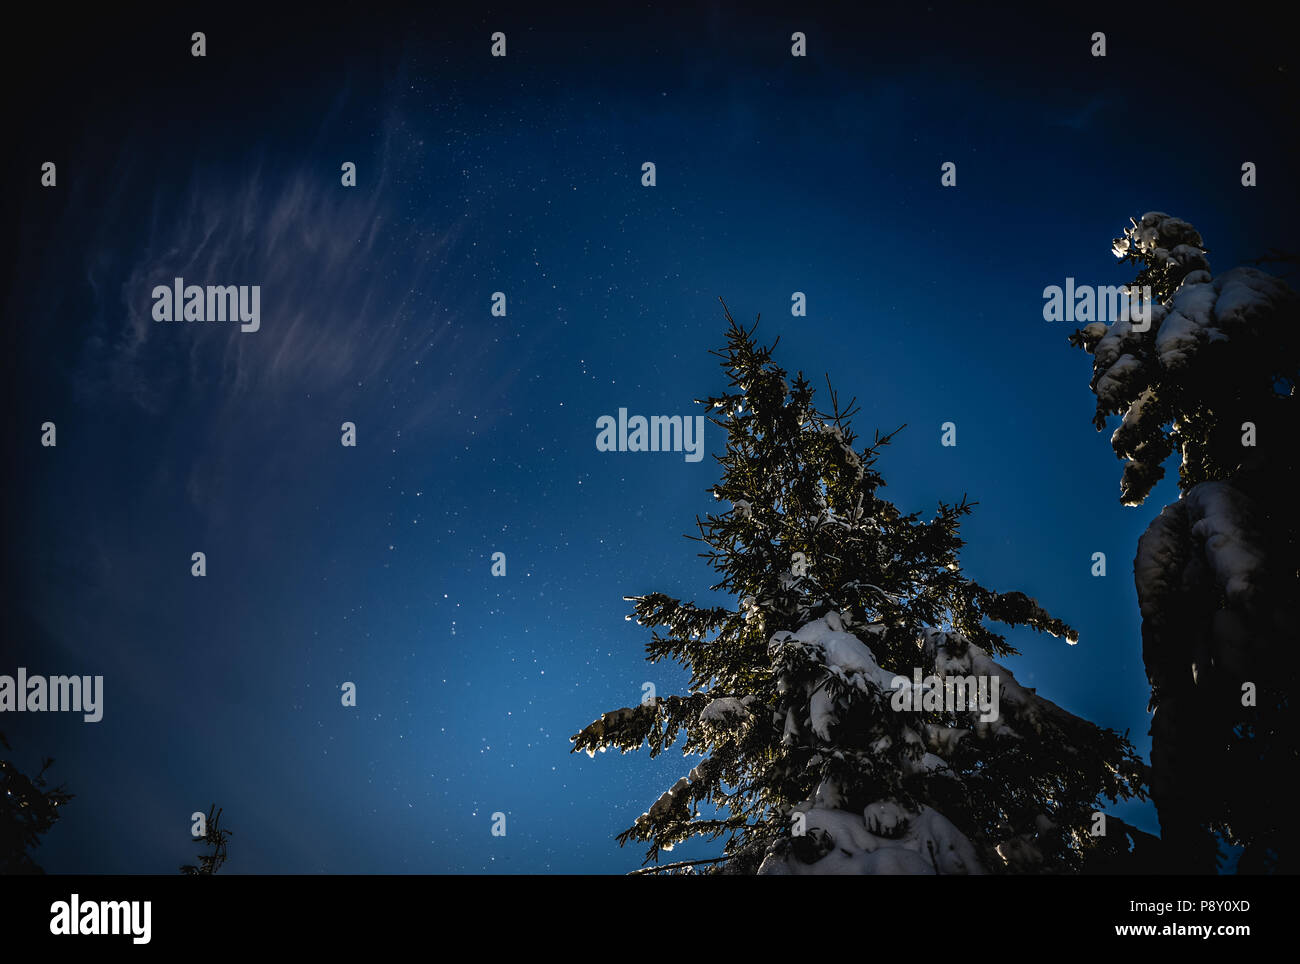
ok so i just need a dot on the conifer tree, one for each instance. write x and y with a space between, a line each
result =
215 837
1211 376
813 760
27 812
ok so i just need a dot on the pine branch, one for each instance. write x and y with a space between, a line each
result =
680 863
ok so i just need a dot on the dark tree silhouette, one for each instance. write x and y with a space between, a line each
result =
215 837
1212 382
27 811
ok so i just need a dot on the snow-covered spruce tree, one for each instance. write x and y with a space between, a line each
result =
811 763
1212 378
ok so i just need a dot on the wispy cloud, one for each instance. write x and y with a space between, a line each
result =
345 278
358 287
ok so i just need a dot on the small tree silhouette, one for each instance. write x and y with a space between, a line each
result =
216 839
27 812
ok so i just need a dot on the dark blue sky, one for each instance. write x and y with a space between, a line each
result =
477 433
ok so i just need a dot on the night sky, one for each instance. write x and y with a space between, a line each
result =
476 434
